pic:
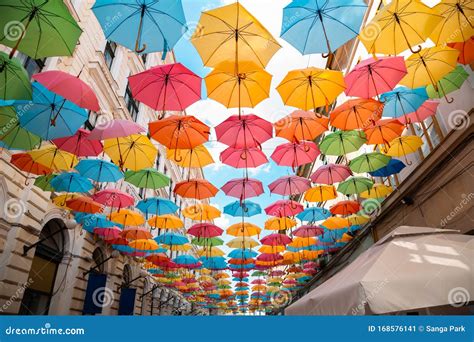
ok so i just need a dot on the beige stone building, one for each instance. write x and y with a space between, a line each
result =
51 278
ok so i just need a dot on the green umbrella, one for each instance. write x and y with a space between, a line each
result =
207 242
369 162
38 28
43 182
355 185
224 286
14 80
342 142
258 274
148 178
12 134
449 83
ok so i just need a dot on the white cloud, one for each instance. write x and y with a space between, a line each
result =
265 168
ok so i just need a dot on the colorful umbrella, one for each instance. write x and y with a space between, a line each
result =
243 243
276 240
279 223
295 154
166 87
427 109
243 188
205 230
25 163
12 135
79 144
99 170
330 174
197 156
369 162
456 25
301 125
243 157
14 80
166 221
358 113
283 208
53 158
385 130
377 191
345 208
127 217
320 193
148 178
135 233
402 101
242 208
449 83
313 214
244 131
201 212
134 152
207 242
243 229
342 142
307 231
143 26
84 204
404 145
197 188
117 128
43 182
335 222
231 33
289 185
71 182
114 198
354 185
157 206
466 50
108 233
38 28
375 76
394 166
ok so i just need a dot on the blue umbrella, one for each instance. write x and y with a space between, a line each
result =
71 182
99 170
155 271
242 254
321 26
402 100
49 115
238 279
185 260
314 214
143 26
91 221
239 267
214 264
171 239
394 166
244 208
242 288
157 206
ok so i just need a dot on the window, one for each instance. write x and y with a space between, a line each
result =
109 53
98 257
132 105
32 66
91 120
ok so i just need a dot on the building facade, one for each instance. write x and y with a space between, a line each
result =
52 276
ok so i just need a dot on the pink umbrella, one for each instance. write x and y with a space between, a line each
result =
330 174
289 185
310 271
243 157
79 144
289 282
205 230
267 257
372 77
295 154
242 131
308 231
166 87
114 198
427 109
70 87
243 188
108 233
258 282
276 240
277 273
311 264
283 208
115 129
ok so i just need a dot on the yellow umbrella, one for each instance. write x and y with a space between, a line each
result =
279 223
180 248
231 33
210 252
429 66
345 238
198 156
201 212
320 193
258 288
144 244
222 275
404 145
53 158
134 152
167 221
274 280
243 229
311 88
300 242
61 200
242 242
456 25
127 217
377 191
243 86
355 219
271 249
206 279
335 222
205 271
399 26
223 282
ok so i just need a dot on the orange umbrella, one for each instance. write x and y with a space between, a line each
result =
466 51
136 233
301 125
357 113
383 131
84 204
195 188
345 208
25 163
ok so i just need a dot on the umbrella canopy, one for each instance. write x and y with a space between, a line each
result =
456 25
342 142
233 34
345 208
79 144
197 188
127 217
201 212
369 162
43 29
402 101
394 166
321 26
355 185
244 131
243 157
335 223
84 204
279 223
135 233
354 114
207 242
205 230
242 208
157 206
314 214
330 174
243 243
377 191
49 115
71 182
14 80
53 158
148 178
99 170
283 208
449 83
466 50
276 240
166 221
108 233
70 87
320 193
427 109
307 231
143 26
25 163
404 145
43 182
134 152
238 85
295 154
243 229
375 76
311 87
114 198
385 130
289 185
179 132
369 270
399 26
198 156
165 87
144 244
301 125
117 128
13 135
243 188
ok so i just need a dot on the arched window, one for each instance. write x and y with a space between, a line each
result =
98 257
42 277
127 275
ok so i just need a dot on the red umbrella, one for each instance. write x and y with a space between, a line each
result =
330 174
270 257
243 188
25 163
277 273
258 282
242 131
234 261
114 198
289 185
240 274
157 258
295 154
466 50
308 231
117 128
427 109
108 233
70 87
283 208
84 204
311 264
205 230
243 157
79 144
345 208
166 87
372 77
276 240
